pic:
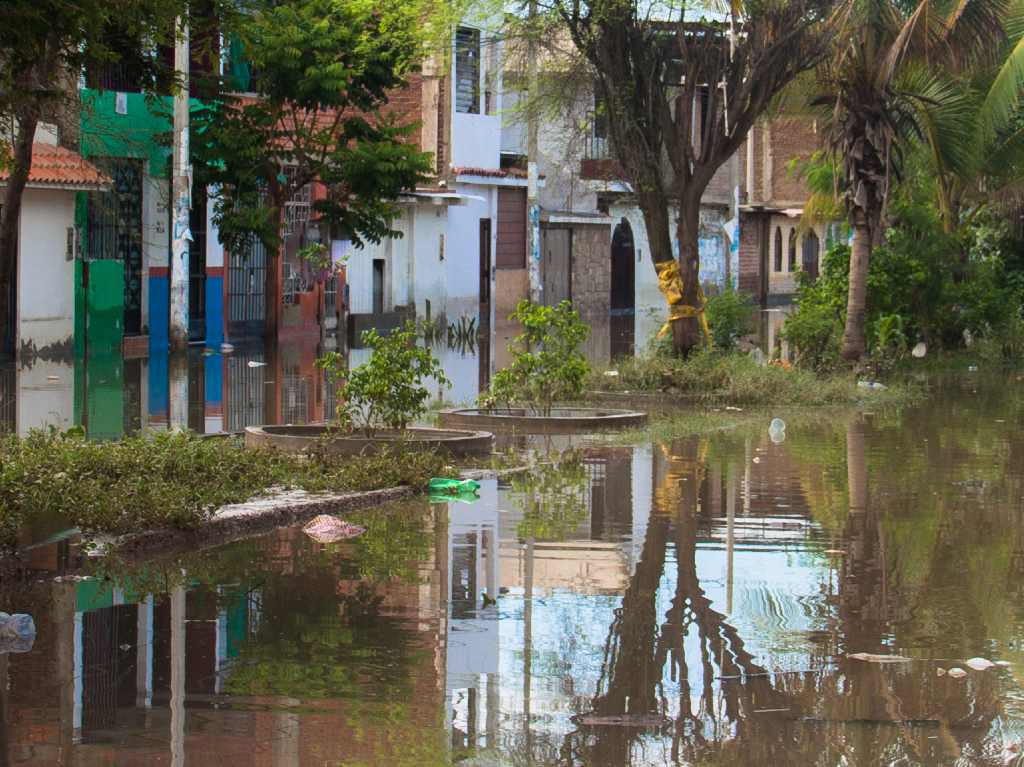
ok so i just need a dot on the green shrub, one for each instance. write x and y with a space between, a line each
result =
548 365
388 390
731 316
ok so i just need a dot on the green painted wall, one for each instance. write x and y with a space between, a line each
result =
105 306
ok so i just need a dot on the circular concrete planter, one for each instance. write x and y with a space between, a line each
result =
302 439
563 420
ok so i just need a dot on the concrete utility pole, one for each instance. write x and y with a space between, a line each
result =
532 206
181 193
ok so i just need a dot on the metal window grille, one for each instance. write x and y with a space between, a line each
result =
467 70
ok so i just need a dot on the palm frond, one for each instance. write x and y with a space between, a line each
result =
1004 96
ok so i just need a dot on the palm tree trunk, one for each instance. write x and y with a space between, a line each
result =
854 342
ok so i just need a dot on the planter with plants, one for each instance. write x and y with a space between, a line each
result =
376 403
548 368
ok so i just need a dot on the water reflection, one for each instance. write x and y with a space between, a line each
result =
209 393
687 603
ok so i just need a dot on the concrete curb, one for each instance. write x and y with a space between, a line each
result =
244 520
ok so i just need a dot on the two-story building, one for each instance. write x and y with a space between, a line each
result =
593 231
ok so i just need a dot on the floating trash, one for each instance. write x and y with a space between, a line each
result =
940 671
868 657
920 350
777 431
979 664
956 673
972 368
17 633
327 529
611 373
255 364
871 385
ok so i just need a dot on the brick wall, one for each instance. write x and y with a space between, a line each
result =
591 285
792 138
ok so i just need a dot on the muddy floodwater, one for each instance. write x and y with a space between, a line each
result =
711 601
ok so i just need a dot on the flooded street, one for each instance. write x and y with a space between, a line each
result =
687 603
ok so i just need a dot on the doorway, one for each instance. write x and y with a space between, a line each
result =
556 250
623 292
484 325
378 286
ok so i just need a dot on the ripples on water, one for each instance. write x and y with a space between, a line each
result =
686 603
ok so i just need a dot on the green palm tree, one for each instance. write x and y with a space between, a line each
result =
891 80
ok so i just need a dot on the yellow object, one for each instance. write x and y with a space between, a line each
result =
670 283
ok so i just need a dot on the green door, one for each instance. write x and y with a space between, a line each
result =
104 397
104 306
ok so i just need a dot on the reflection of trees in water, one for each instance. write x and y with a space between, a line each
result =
853 712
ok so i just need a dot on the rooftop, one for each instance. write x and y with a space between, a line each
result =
58 167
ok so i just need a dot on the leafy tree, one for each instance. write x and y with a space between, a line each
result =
322 72
43 46
655 65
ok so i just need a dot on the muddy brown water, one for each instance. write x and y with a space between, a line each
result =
686 603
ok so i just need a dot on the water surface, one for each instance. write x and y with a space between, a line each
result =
692 603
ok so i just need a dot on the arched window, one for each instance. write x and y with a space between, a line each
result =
811 250
792 250
778 249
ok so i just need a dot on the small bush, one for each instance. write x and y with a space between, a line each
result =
731 316
388 390
548 365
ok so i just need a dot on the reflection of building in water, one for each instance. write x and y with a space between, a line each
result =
202 675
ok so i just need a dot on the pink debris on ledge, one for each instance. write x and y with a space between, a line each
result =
327 529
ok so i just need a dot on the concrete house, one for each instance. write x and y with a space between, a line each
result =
47 272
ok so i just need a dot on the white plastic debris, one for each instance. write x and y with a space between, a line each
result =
777 431
920 350
957 673
868 657
1003 663
872 385
979 664
972 368
255 364
940 671
611 373
17 632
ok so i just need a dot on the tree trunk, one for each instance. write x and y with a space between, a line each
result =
9 218
686 333
854 343
654 206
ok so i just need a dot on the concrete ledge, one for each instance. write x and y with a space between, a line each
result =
563 420
245 520
303 439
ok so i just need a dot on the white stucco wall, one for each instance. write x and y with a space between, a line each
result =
429 223
46 277
46 396
359 276
462 262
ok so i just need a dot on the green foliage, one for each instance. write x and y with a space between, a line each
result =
323 72
721 378
731 316
552 498
171 479
924 284
389 390
547 363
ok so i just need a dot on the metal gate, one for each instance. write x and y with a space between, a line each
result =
244 406
247 276
556 262
114 231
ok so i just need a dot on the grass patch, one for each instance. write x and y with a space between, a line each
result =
721 378
171 479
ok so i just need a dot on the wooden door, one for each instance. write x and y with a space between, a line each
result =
556 265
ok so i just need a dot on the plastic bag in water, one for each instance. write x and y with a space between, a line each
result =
17 632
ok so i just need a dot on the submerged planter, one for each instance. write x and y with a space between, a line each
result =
303 439
563 420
